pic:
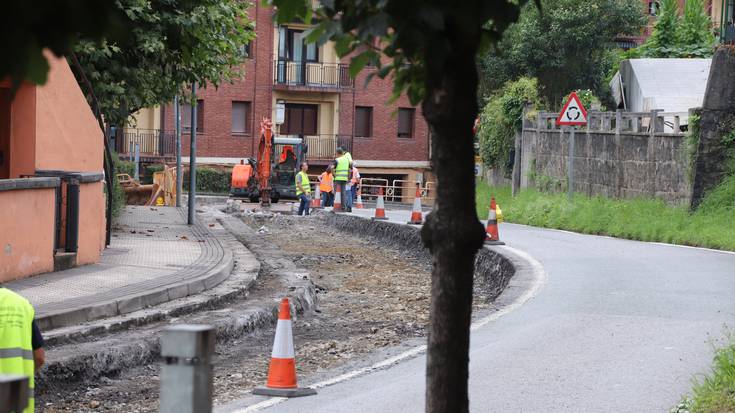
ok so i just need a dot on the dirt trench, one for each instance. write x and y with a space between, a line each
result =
369 297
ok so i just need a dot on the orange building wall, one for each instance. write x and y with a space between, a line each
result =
91 223
26 232
67 133
23 132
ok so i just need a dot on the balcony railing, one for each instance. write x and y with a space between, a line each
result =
312 74
151 142
323 147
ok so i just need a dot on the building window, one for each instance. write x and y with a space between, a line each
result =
405 122
186 116
241 122
293 48
246 50
300 119
363 121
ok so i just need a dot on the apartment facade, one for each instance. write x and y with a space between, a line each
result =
306 90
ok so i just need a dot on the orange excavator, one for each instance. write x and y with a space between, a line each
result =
270 177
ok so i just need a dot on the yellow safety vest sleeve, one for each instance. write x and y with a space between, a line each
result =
304 183
16 350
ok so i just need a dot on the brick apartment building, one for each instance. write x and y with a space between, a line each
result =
321 102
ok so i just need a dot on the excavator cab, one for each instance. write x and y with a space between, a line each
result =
288 152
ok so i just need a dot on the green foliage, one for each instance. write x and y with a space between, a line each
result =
412 34
118 194
589 100
210 180
148 172
692 145
714 392
171 43
30 26
501 119
689 36
728 143
645 219
567 46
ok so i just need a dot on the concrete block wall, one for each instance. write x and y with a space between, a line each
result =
624 165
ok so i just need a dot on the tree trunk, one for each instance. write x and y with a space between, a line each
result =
452 231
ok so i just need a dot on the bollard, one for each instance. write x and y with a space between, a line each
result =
186 372
13 393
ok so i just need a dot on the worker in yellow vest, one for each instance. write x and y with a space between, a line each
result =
21 343
326 186
303 189
342 167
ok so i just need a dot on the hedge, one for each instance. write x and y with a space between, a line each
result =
210 180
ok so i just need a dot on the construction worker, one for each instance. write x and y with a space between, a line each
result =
342 166
326 186
355 181
303 189
21 343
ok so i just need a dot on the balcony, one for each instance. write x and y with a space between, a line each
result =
151 142
323 147
289 75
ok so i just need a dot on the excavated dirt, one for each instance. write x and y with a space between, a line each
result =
369 297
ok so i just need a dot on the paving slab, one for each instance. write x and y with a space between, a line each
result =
154 257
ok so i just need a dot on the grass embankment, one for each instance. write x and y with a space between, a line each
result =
715 393
712 225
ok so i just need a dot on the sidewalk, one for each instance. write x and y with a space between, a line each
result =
154 257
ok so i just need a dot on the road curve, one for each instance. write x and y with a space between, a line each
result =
619 326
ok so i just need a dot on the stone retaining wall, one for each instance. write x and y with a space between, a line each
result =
492 269
622 165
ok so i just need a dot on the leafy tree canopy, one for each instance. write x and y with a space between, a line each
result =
28 27
171 44
688 36
566 47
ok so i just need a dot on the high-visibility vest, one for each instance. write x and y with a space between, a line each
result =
342 171
16 350
304 183
326 183
348 156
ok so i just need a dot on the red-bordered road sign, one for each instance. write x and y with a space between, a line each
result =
573 113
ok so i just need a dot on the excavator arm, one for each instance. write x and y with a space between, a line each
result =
264 161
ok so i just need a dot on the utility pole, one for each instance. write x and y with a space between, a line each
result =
193 156
179 174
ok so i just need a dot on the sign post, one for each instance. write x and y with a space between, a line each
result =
573 114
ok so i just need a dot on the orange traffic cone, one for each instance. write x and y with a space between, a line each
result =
380 206
358 204
337 200
317 201
282 371
491 233
416 217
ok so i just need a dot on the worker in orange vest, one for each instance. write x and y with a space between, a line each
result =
354 182
326 186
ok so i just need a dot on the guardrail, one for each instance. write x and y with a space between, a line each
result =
158 142
654 121
325 146
314 74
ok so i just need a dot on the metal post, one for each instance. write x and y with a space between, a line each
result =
571 163
13 393
179 174
72 214
186 372
137 162
193 156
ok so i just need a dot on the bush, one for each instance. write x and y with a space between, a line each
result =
118 194
148 172
501 119
210 180
589 100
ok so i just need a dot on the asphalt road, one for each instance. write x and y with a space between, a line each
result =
619 326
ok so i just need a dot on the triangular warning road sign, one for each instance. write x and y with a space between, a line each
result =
573 113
